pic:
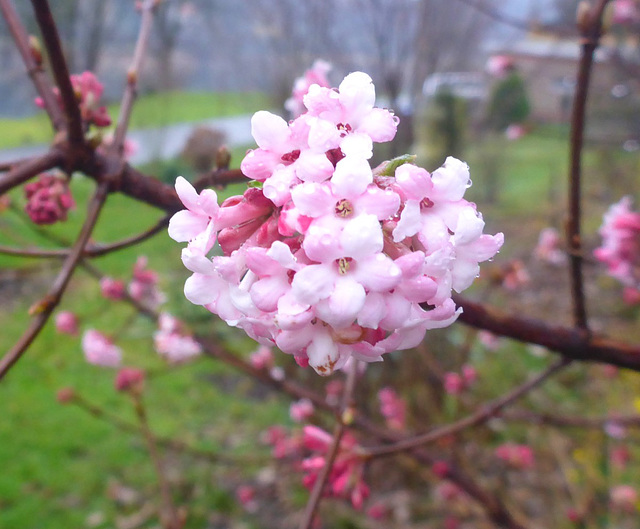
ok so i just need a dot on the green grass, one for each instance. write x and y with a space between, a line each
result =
151 110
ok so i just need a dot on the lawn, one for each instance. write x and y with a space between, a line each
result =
150 110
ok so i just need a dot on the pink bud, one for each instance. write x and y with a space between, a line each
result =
301 410
67 323
129 379
112 288
440 469
453 383
65 395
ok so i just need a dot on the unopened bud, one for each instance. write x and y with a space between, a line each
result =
132 76
583 16
94 138
36 49
40 306
130 379
348 416
65 395
223 158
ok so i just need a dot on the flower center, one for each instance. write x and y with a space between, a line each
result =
344 263
344 208
291 157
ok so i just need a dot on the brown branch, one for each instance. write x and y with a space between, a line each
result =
130 92
43 309
483 414
51 39
344 418
91 250
590 26
34 68
19 174
575 344
566 421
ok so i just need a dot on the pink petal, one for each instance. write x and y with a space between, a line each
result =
271 132
379 124
185 225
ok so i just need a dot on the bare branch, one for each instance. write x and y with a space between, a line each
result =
92 250
483 414
130 92
60 69
45 307
591 30
575 344
20 173
34 69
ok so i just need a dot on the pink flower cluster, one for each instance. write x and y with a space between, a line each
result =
48 199
324 257
620 249
626 12
88 91
317 74
100 350
346 476
143 286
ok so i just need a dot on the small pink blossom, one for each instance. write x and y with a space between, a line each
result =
173 342
317 74
499 65
515 275
393 408
100 350
346 479
549 247
301 410
262 357
620 249
88 91
129 379
143 286
246 495
489 340
620 456
48 199
625 12
378 511
516 455
515 131
623 498
67 323
112 288
441 469
454 384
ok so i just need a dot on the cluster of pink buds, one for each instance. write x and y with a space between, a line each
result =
88 91
324 257
456 383
393 408
143 286
173 342
317 74
48 199
620 249
346 476
516 455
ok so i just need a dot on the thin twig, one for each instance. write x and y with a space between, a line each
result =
43 309
344 418
165 442
130 91
34 69
483 414
567 421
590 27
92 249
168 513
51 39
19 174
